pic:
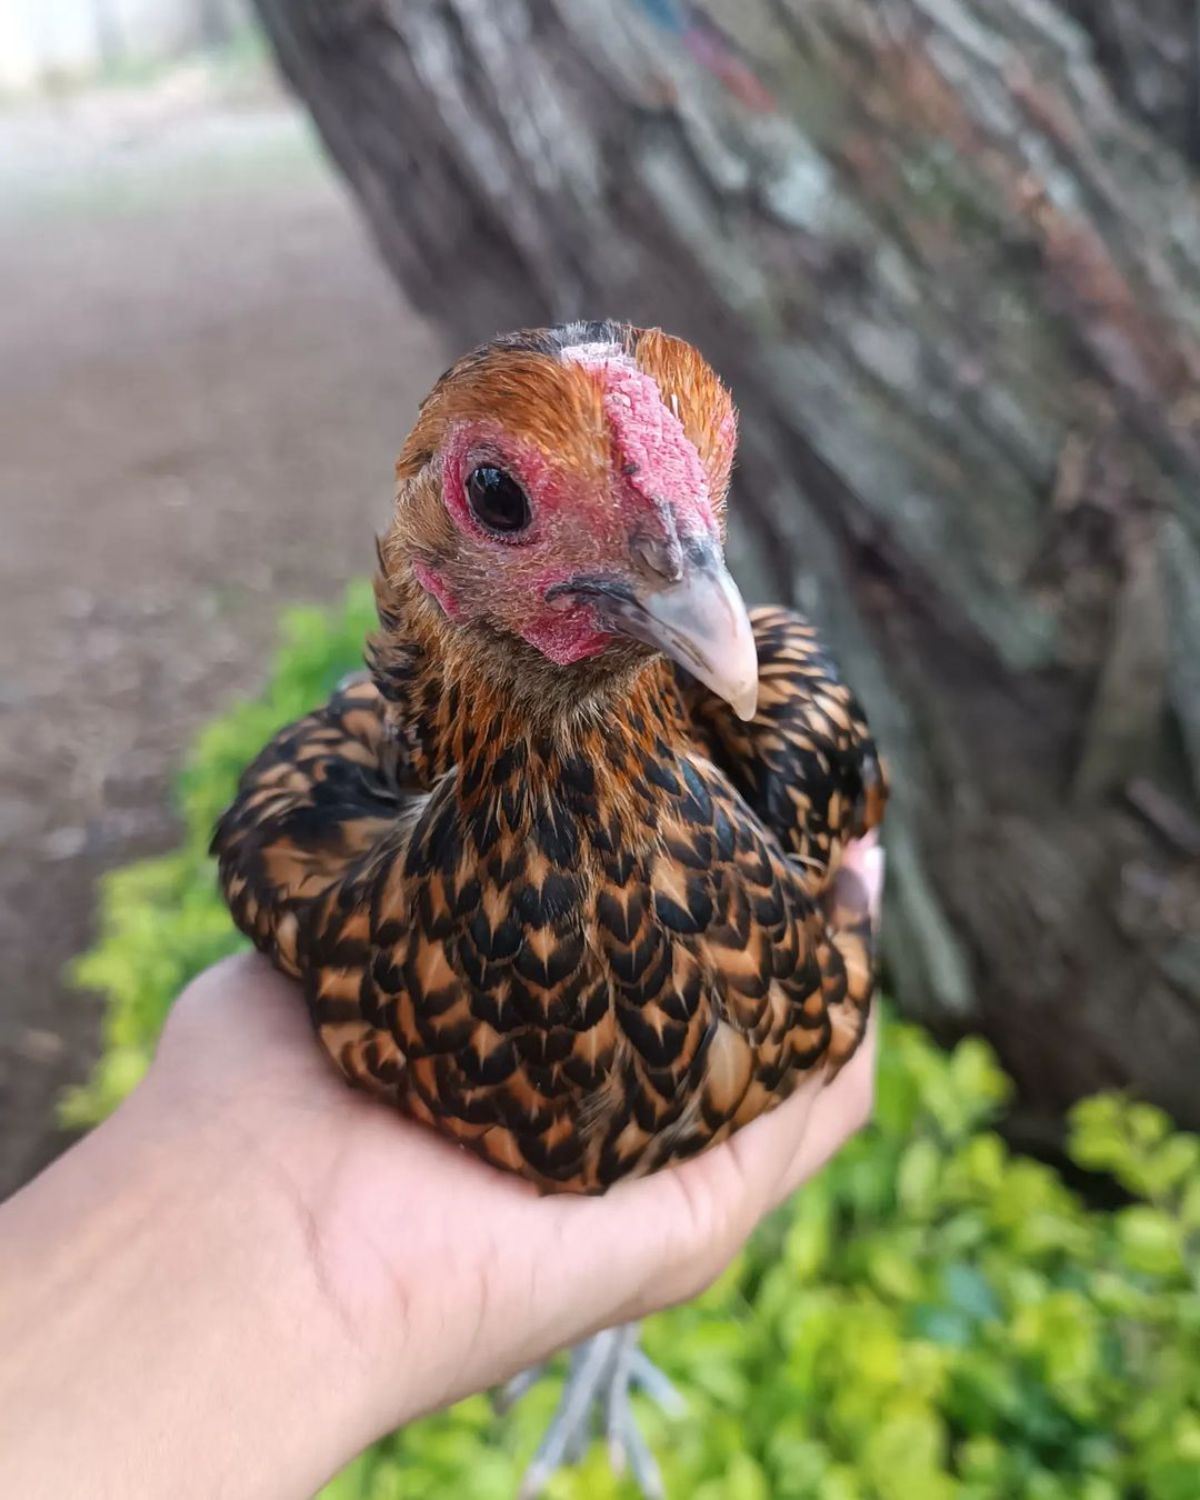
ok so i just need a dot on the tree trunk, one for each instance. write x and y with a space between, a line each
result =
956 291
1150 50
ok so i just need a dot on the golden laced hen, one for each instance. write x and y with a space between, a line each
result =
556 878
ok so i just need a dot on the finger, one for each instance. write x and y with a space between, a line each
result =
855 893
248 988
662 1239
843 1109
867 858
241 1019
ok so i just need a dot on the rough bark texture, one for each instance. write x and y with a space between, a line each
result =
1150 50
956 290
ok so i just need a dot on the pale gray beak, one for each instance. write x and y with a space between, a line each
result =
698 619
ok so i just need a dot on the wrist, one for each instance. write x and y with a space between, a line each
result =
160 1302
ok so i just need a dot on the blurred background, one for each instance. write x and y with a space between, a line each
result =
206 375
947 254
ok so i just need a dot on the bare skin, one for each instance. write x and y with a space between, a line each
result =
250 1272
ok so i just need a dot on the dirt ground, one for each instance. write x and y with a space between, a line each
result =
204 376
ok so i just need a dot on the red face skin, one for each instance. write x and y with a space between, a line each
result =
633 484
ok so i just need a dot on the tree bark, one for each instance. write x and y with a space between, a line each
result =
956 291
1150 51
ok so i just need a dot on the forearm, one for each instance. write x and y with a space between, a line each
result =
161 1331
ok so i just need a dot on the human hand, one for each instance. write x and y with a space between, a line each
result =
377 1271
443 1268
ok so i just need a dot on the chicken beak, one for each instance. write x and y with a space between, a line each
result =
698 619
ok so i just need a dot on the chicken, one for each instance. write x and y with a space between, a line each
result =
555 876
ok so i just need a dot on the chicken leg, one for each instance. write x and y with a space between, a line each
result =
602 1372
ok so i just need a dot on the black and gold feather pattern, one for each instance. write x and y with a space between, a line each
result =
584 952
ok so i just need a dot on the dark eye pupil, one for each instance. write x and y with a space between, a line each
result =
497 500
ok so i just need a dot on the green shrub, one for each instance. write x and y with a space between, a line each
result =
161 920
930 1318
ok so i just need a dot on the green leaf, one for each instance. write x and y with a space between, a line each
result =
919 1175
1151 1241
745 1480
968 1289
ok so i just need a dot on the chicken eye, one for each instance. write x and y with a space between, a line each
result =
497 500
